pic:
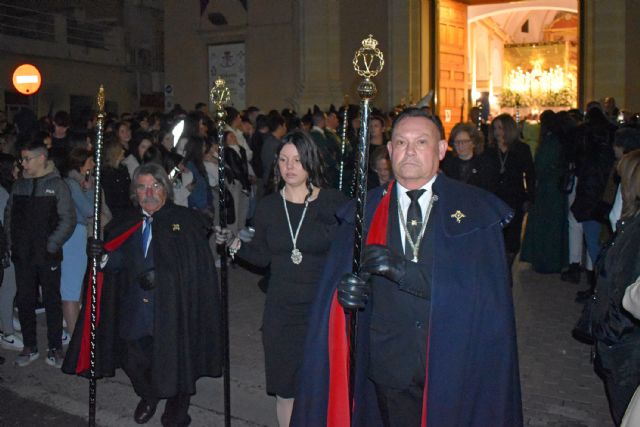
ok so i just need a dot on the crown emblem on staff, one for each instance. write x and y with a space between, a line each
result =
219 94
368 60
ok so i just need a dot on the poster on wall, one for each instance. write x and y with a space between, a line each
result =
228 61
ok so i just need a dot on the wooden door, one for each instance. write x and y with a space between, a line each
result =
452 63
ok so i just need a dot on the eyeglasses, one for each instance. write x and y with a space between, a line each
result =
28 159
155 187
462 141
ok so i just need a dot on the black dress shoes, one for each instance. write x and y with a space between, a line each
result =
145 410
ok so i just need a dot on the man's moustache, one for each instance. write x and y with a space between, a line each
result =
150 200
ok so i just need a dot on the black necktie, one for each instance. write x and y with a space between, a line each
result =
414 221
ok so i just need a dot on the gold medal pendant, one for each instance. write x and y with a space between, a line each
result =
296 256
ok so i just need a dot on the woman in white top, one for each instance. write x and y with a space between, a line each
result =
140 142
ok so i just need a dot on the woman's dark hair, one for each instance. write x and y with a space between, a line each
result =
629 171
310 159
171 160
194 153
511 132
154 154
136 140
7 162
112 150
548 125
77 157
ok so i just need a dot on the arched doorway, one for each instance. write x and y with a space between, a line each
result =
517 57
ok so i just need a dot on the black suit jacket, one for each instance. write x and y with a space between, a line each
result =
398 338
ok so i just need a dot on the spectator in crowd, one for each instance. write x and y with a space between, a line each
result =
617 334
115 179
238 183
122 132
200 197
294 228
9 338
39 218
270 144
626 140
545 243
195 127
594 161
160 311
469 164
381 165
376 140
516 177
74 257
140 142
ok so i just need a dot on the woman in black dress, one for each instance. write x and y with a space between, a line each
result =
516 176
294 229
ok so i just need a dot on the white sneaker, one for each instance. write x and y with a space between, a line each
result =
25 359
55 358
11 342
65 338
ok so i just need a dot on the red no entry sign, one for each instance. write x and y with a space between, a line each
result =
27 79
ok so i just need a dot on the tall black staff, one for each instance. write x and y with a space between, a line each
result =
97 190
343 142
220 95
367 62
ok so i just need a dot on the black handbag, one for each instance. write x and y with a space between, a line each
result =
583 330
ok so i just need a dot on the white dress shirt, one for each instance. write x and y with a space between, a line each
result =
405 201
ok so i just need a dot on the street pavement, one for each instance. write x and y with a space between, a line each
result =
558 384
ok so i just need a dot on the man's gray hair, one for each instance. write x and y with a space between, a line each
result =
158 173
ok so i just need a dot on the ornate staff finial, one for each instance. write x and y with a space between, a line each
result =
368 61
220 94
100 99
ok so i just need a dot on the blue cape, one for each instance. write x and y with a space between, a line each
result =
473 377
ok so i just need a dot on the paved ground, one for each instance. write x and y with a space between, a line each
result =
558 383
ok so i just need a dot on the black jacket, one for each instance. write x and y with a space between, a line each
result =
518 170
594 160
616 331
480 171
39 218
237 167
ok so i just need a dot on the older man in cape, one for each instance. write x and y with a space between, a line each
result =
159 314
436 331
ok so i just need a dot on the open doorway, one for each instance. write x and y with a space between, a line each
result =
518 57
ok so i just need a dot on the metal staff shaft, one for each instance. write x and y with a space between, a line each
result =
367 62
220 96
94 260
343 142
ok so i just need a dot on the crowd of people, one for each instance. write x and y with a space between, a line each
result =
556 200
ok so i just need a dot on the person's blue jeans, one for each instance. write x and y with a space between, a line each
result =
592 238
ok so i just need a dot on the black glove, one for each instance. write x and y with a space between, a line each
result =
95 248
353 292
147 280
383 261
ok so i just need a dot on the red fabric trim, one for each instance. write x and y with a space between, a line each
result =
338 414
85 344
378 229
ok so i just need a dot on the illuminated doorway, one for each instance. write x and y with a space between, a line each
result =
518 57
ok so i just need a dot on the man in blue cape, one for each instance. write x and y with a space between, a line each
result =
436 340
